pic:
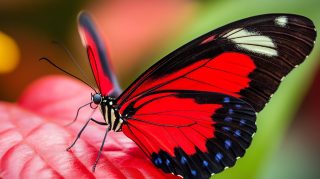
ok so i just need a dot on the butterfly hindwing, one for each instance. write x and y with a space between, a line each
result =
99 62
191 133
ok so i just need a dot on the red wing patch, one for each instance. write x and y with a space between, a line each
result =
178 127
206 75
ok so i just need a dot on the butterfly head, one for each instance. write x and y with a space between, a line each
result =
96 98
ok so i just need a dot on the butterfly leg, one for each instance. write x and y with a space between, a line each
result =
100 151
74 120
104 139
79 134
98 122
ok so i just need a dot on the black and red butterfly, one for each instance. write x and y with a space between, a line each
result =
194 112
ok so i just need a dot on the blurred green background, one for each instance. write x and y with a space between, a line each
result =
139 33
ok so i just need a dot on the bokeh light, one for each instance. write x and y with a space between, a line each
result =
9 53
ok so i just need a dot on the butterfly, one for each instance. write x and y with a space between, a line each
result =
193 113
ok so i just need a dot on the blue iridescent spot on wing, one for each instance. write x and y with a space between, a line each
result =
237 133
158 161
167 162
227 144
238 106
242 122
228 119
205 163
225 128
194 172
230 111
226 100
183 160
218 157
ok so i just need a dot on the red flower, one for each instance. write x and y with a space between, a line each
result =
34 137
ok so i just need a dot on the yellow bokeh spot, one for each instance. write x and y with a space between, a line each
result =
9 53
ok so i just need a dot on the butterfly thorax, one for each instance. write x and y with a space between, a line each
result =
109 111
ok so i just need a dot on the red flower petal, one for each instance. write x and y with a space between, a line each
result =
33 137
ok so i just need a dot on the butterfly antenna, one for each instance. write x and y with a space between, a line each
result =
75 119
73 60
49 61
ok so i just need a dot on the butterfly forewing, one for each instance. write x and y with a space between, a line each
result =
104 77
266 47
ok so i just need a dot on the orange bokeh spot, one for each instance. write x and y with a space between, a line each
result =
9 53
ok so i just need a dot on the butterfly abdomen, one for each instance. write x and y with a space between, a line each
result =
111 116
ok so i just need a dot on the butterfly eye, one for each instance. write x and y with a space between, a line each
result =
97 98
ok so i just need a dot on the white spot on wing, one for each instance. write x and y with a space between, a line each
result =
252 41
281 21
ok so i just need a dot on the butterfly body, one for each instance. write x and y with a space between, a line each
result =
109 110
194 111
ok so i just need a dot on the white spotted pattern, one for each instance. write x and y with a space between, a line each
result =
281 21
252 41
